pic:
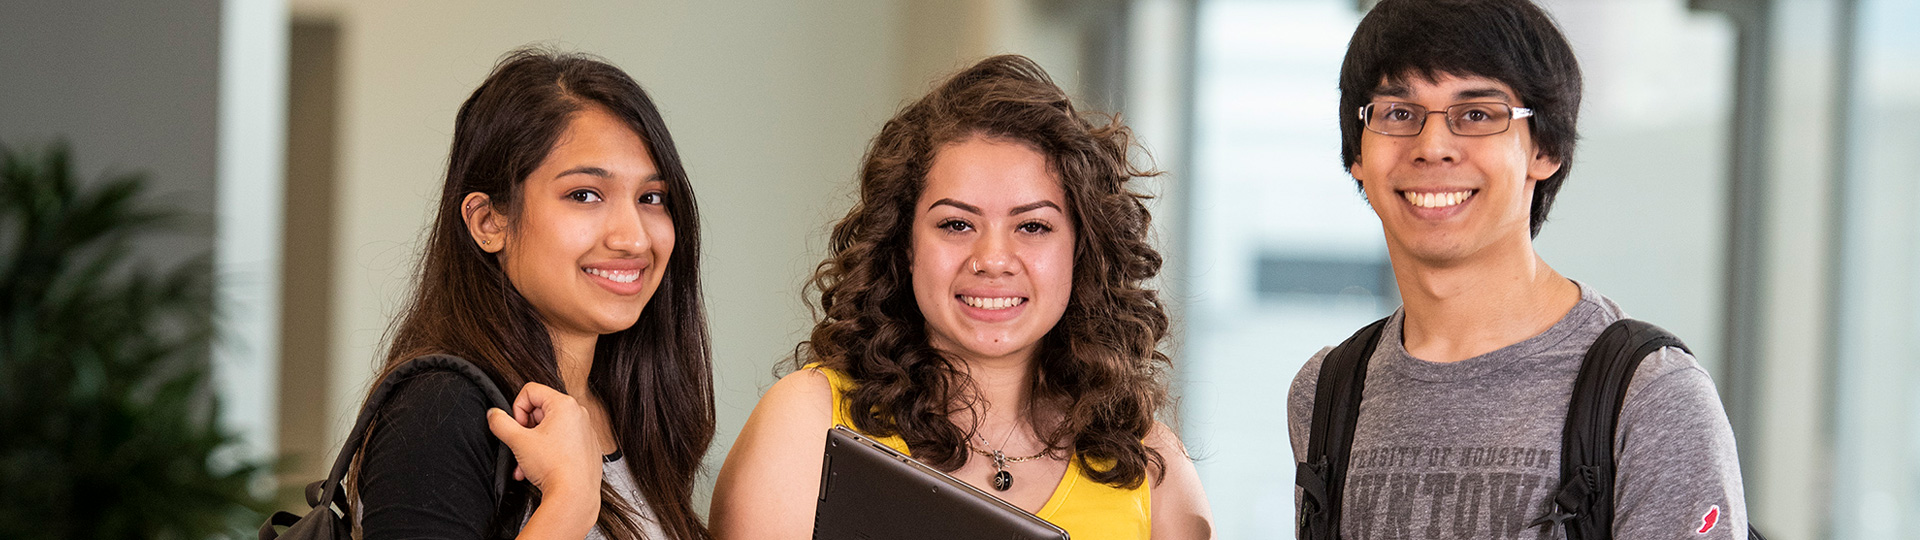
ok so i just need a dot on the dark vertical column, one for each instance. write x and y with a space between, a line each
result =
1747 201
306 275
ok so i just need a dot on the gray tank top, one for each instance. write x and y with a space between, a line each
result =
622 482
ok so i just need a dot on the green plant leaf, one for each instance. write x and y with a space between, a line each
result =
109 427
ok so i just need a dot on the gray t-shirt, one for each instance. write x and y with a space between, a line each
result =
1471 449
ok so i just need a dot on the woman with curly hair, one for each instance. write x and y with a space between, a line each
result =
984 309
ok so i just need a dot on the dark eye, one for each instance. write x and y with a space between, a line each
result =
955 225
583 195
653 197
1477 114
1398 115
1034 227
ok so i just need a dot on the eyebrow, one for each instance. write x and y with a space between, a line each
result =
1029 207
588 170
956 204
1393 90
603 174
1401 91
1479 93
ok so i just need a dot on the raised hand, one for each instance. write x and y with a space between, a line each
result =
552 437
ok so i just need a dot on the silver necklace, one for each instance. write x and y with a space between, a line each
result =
1002 480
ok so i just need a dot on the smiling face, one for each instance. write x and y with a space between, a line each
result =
590 239
1443 198
992 249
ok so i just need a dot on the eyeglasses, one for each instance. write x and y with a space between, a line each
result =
1398 119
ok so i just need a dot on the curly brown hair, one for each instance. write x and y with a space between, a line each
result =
1098 369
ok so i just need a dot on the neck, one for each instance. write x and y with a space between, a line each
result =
574 354
1457 310
1003 386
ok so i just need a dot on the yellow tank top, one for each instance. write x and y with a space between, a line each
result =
1084 508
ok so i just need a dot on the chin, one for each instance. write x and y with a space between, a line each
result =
986 348
612 325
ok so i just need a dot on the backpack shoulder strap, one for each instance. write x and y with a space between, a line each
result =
329 490
1336 410
1584 502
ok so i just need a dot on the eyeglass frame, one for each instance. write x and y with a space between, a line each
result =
1514 113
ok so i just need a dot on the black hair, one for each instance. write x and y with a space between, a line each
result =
1511 41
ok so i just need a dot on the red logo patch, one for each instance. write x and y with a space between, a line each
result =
1708 521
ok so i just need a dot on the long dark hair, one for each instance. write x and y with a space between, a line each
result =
654 378
1098 367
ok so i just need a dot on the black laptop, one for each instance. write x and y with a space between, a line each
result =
869 491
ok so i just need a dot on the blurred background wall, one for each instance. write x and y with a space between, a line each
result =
1746 178
194 94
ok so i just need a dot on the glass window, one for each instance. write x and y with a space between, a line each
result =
1877 398
1285 256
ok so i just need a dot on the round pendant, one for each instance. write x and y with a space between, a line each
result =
1002 481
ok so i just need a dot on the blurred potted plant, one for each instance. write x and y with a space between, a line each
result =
108 425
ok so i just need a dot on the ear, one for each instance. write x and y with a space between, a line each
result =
485 224
1357 172
1542 166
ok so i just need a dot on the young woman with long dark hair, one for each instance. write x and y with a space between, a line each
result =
984 308
563 260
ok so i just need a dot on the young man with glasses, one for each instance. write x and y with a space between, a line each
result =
1457 118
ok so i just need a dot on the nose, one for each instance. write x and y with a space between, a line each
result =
1436 144
993 256
626 232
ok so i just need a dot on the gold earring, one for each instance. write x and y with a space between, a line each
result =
483 242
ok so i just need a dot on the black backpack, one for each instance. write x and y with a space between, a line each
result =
322 522
1584 503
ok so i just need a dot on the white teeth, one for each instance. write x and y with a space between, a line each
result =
616 276
993 303
1437 200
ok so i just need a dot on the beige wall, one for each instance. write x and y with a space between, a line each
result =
770 101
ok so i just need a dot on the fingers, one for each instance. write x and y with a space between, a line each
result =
505 427
509 431
523 403
551 436
535 401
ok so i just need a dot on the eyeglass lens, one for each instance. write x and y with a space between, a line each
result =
1468 119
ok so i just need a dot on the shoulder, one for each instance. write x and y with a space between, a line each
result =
434 397
810 388
1179 470
428 464
1178 505
771 475
1308 378
1163 439
430 417
1300 400
1668 362
1670 378
1674 449
797 405
1673 410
